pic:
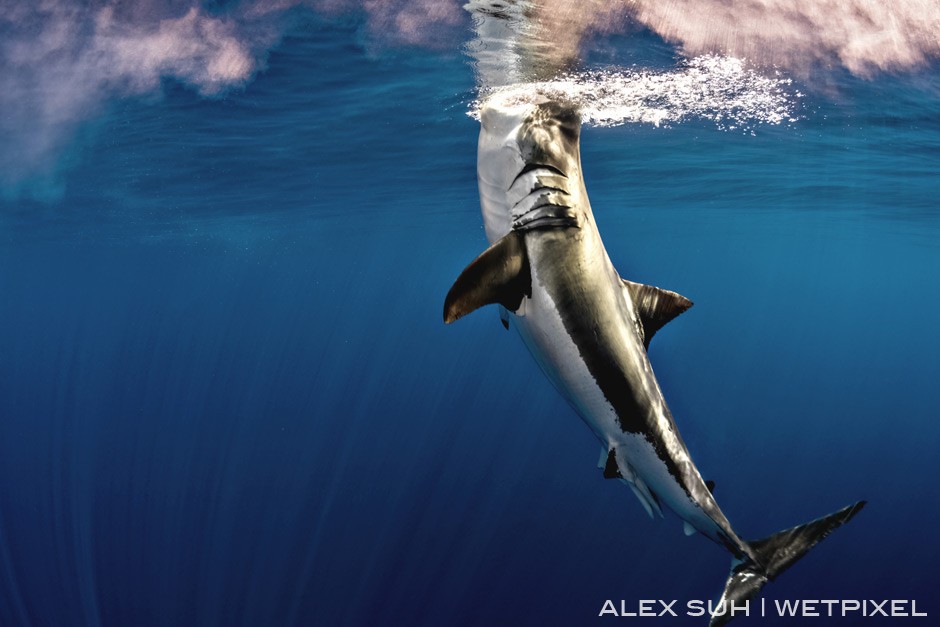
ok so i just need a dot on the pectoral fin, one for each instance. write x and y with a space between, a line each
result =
655 306
499 276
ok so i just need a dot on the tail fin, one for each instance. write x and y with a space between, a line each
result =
773 555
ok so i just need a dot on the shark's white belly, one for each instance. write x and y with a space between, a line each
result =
544 333
541 325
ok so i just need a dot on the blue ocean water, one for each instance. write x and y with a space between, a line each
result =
227 396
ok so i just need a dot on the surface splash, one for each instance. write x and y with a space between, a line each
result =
712 88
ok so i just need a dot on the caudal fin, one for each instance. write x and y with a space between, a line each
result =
773 555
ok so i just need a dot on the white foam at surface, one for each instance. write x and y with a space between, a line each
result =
710 87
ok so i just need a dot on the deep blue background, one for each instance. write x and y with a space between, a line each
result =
227 397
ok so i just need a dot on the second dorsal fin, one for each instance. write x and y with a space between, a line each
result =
655 306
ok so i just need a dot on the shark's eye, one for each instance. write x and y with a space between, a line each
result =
569 132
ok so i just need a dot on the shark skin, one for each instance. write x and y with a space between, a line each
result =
589 329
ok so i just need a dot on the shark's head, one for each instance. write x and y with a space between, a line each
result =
549 134
529 164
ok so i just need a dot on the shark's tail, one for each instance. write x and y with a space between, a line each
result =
772 556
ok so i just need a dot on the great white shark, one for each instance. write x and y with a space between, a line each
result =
589 329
